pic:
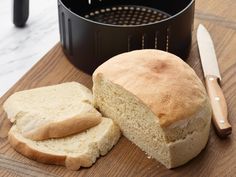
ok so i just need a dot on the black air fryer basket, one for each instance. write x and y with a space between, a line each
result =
93 31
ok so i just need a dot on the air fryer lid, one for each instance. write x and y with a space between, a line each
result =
94 31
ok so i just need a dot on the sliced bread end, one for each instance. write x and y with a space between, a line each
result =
75 151
66 127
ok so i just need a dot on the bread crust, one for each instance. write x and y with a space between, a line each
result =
34 109
71 162
33 154
166 84
64 128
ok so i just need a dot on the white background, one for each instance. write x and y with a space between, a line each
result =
21 48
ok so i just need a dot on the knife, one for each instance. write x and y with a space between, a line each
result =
212 79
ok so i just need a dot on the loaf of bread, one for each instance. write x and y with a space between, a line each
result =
158 102
52 111
75 151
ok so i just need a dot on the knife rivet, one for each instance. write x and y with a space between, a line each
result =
211 79
222 121
217 98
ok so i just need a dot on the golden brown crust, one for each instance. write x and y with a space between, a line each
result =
64 128
167 85
72 163
33 154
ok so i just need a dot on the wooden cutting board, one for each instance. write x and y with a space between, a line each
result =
125 159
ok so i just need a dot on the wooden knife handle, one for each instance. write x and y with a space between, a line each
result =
219 106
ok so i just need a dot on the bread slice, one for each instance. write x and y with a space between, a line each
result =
52 111
75 151
158 102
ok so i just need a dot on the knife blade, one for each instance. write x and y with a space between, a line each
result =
212 78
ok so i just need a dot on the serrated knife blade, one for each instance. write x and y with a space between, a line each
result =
207 53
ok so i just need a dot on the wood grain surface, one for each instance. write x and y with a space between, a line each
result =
218 159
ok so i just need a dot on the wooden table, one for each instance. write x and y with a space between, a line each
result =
125 159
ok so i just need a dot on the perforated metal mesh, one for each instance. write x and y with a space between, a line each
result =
127 15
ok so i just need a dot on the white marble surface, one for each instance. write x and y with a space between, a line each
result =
21 48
